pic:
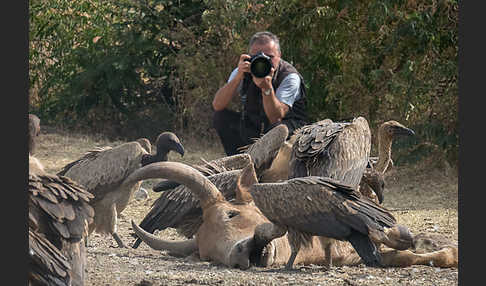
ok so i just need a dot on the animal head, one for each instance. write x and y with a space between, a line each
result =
376 181
165 142
390 129
236 233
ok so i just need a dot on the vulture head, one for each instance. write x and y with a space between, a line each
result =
392 128
166 142
376 181
387 132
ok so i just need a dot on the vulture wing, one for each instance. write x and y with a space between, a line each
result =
102 169
47 265
265 148
213 167
320 206
335 150
60 203
179 208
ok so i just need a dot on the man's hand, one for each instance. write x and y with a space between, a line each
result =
243 65
264 83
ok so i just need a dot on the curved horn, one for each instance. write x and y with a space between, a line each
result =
183 174
176 248
246 179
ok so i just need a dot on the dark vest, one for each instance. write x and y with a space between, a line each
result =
253 114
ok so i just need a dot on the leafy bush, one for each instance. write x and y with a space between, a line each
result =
131 68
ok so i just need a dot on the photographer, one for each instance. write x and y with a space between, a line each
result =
271 92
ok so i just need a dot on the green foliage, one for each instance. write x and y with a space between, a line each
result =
143 66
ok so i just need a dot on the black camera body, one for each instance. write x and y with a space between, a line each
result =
260 65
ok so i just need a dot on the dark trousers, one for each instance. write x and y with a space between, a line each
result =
227 125
229 128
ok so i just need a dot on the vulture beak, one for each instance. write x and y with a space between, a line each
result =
402 130
379 195
177 147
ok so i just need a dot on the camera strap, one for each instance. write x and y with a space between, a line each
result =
244 98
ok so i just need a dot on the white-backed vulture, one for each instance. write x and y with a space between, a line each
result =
34 132
319 206
59 215
47 264
337 150
377 166
103 170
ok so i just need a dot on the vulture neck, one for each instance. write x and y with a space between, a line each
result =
159 157
384 151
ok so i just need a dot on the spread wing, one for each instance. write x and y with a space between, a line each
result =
179 208
59 207
104 168
265 148
213 167
335 150
319 206
47 265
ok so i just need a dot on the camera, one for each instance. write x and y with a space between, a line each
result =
260 65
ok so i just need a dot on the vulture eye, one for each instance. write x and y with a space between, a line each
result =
233 213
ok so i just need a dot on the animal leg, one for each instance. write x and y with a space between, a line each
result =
118 240
446 257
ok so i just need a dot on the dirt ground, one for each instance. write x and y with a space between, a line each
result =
423 197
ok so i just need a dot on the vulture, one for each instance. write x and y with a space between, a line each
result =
34 132
59 215
178 208
321 206
102 172
337 150
377 166
47 264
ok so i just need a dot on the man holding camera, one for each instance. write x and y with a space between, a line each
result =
271 91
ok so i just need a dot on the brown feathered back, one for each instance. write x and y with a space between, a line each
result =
59 211
47 264
336 150
101 169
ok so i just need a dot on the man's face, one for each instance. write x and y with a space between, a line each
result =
270 49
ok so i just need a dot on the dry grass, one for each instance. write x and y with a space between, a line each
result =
423 199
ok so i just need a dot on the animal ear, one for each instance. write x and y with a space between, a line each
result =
246 179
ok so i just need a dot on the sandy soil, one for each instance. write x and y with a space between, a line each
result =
424 199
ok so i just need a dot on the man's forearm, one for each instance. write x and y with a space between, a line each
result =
225 93
274 109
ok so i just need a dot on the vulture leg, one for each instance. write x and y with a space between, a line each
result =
118 240
294 248
291 260
327 251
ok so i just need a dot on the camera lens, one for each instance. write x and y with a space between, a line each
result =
261 65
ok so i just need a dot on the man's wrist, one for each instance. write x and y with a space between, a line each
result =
267 91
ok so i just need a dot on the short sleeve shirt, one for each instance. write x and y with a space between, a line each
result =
287 92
